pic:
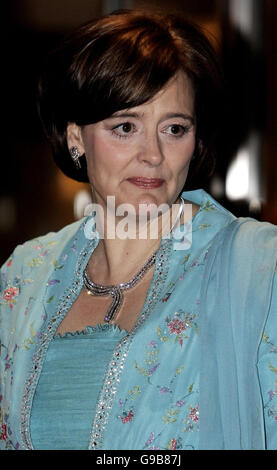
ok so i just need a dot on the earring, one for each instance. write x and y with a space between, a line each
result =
75 155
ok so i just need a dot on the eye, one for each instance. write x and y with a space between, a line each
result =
123 130
177 130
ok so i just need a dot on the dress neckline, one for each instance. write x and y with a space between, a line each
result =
113 329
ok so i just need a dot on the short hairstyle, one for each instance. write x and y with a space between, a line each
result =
120 61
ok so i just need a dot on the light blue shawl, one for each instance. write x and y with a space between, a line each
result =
231 331
46 275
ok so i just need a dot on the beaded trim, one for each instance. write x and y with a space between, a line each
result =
65 303
116 365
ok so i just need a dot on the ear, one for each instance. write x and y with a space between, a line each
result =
74 137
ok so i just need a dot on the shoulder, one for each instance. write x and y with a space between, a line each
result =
246 244
248 234
33 252
256 229
206 210
243 256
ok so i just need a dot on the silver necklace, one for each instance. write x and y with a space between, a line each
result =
116 290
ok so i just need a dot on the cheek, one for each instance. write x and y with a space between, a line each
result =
183 156
98 155
191 146
104 155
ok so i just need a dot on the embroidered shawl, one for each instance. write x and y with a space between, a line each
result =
234 304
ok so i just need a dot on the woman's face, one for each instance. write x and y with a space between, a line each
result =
141 155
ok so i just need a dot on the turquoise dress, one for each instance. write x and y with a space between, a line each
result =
68 388
197 371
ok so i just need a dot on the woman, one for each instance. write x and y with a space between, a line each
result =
174 326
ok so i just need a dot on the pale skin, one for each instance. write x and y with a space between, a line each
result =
153 140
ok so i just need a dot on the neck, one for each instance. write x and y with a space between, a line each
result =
116 259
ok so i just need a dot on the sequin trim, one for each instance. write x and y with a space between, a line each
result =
116 365
65 303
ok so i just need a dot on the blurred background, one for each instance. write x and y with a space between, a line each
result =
35 197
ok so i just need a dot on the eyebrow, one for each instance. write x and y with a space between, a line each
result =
124 114
186 117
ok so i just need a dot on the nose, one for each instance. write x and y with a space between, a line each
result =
151 152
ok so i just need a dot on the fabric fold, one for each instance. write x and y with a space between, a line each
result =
232 323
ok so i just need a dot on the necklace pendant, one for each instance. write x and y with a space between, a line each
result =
116 291
117 297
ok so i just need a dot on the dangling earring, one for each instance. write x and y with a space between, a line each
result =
75 155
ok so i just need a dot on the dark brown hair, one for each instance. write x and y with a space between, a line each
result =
120 61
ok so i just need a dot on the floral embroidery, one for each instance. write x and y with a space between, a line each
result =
5 431
194 414
150 439
170 416
272 368
271 410
192 419
177 410
208 206
28 306
56 266
270 404
28 342
266 340
9 295
52 282
35 262
4 435
172 413
12 283
174 444
43 252
127 413
177 326
169 292
167 295
271 394
126 418
8 361
13 290
150 360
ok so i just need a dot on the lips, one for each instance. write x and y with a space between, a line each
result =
146 182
